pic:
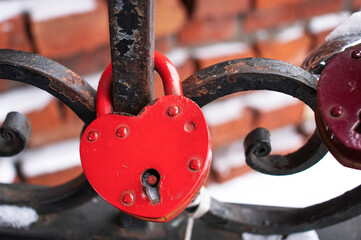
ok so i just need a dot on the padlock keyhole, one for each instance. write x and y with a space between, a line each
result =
150 181
358 125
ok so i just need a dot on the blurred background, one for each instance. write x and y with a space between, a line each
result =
194 34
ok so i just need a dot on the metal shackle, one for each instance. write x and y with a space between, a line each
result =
166 70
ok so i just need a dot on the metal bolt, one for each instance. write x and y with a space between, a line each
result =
152 180
93 136
122 132
189 126
195 164
173 111
356 54
336 111
128 198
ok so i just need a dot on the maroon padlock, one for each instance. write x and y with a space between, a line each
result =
338 114
150 166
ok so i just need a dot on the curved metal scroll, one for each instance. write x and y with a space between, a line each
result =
14 134
255 74
261 74
77 94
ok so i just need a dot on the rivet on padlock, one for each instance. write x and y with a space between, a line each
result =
150 166
338 112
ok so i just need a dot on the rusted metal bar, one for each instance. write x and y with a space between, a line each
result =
132 47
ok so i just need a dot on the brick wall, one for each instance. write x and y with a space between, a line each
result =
194 34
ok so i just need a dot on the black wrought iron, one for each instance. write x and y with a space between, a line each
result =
14 134
132 47
77 94
277 220
131 29
265 74
261 74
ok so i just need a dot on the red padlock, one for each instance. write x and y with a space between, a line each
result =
150 166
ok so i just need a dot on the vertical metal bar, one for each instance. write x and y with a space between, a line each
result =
132 47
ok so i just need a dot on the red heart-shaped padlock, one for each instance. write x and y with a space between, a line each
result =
150 166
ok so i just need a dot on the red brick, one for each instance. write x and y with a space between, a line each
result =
13 34
56 178
208 31
54 123
311 8
319 38
170 16
294 51
71 121
45 119
43 123
356 5
69 35
228 132
201 9
268 18
163 44
87 62
267 4
276 118
3 85
203 63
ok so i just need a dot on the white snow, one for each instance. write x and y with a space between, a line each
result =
262 35
327 21
12 9
229 157
42 10
7 170
325 180
349 27
310 235
285 139
17 217
223 111
219 50
269 100
226 110
23 100
51 158
290 33
178 56
29 99
93 79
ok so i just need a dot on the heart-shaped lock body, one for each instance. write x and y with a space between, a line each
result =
150 166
